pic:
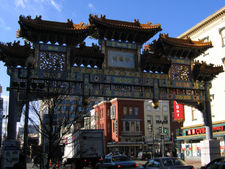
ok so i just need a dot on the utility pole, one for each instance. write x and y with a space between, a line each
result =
161 129
162 139
153 141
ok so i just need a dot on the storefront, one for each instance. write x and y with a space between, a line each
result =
129 148
190 140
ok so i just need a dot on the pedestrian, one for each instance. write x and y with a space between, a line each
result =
35 161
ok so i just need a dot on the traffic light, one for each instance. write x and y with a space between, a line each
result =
165 130
150 127
160 129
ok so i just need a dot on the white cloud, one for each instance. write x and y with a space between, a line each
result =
91 7
55 5
33 3
3 25
20 3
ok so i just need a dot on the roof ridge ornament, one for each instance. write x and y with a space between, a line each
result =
103 16
38 18
69 22
136 21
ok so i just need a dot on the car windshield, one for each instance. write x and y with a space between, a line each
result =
106 160
120 158
173 161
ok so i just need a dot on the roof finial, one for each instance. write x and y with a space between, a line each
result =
38 17
69 21
102 16
136 21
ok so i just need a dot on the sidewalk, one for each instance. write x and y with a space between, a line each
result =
29 166
196 164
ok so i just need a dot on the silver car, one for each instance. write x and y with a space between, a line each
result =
116 162
166 163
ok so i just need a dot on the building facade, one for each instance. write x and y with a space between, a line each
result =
132 126
157 127
123 122
210 29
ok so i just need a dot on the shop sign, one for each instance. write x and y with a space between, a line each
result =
203 130
178 111
222 147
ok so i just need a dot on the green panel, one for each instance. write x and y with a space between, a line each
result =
121 45
52 48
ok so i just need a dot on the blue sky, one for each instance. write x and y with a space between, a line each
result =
175 16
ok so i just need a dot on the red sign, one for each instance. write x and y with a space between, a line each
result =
178 111
203 130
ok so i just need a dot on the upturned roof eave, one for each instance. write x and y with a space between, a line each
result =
124 25
185 43
41 25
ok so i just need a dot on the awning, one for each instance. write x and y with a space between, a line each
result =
124 144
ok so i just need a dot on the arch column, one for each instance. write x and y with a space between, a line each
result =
210 148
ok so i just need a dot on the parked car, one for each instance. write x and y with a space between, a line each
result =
144 155
218 163
116 161
166 163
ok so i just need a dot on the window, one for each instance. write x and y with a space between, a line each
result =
165 118
64 102
72 108
193 110
72 101
165 108
127 126
148 107
222 34
64 108
132 127
130 111
124 110
80 102
157 118
149 119
136 111
138 126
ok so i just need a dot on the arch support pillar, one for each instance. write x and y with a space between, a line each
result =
210 148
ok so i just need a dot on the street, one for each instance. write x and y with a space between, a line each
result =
196 164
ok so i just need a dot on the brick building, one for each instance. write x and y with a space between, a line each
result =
123 122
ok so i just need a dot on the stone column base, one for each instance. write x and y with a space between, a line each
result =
210 150
10 153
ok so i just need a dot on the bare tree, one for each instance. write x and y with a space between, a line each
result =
53 118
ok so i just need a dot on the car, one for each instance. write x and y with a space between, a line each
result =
166 163
144 155
218 163
116 161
